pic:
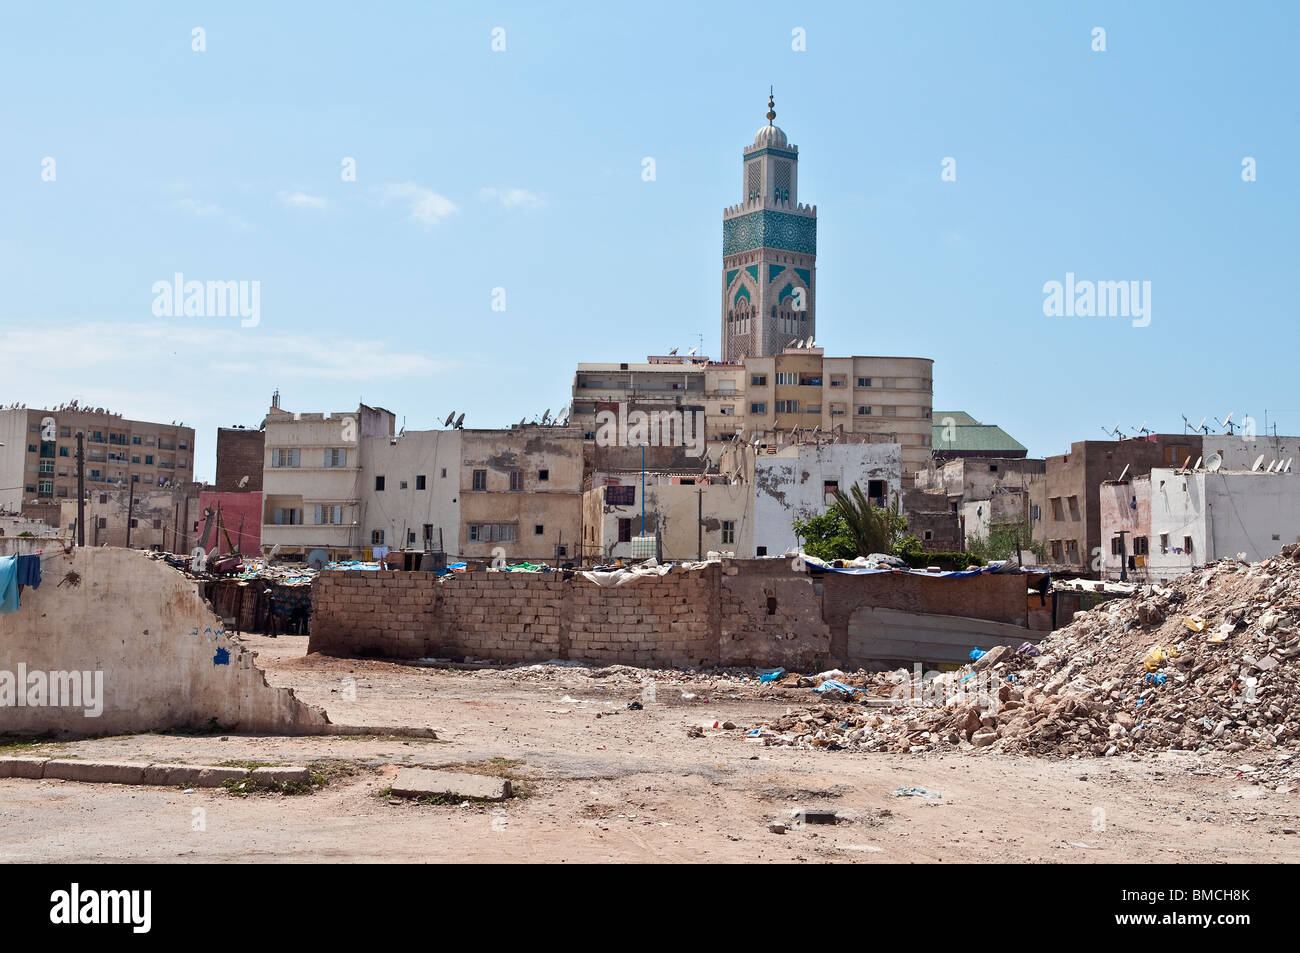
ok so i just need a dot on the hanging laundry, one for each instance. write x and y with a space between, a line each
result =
8 584
29 571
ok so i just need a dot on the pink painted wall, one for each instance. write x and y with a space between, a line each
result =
235 508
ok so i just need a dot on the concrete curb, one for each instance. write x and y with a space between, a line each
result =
146 773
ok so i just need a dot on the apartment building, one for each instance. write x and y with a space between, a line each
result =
141 517
410 490
38 456
1064 506
1166 523
798 390
312 481
521 493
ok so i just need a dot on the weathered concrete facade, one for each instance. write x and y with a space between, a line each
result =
691 519
166 517
410 490
162 662
521 493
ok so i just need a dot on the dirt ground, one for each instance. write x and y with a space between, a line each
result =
600 782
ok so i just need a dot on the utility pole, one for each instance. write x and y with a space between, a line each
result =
81 488
130 512
699 524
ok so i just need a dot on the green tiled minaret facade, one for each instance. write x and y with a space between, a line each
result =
769 252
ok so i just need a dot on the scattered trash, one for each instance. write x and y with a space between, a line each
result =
771 675
917 792
977 653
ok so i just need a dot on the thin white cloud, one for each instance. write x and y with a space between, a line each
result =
192 206
300 200
511 198
425 205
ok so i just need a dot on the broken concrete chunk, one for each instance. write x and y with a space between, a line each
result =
422 782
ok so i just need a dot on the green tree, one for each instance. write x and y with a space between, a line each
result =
1004 541
854 526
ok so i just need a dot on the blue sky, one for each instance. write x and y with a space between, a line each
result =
521 170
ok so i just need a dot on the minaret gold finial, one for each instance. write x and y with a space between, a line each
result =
771 106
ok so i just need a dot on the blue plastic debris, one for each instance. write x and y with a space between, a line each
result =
771 675
977 653
1156 678
831 685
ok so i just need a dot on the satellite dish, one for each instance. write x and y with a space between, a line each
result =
460 420
546 416
1201 425
1185 462
1272 465
1123 473
693 350
1213 462
450 417
793 343
1197 464
275 550
1258 460
672 352
243 482
318 559
1287 468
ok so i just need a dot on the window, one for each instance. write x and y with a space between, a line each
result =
428 534
1074 508
376 537
993 468
1187 545
103 498
410 537
47 466
136 441
1056 550
492 532
379 484
287 516
729 532
837 380
758 380
419 481
102 522
864 411
279 458
1072 550
786 406
1140 546
759 408
401 485
336 457
539 529
727 410
1057 512
480 479
864 381
63 451
543 475
65 431
787 378
889 411
876 491
329 515
625 531
135 523
620 495
44 487
444 473
1164 544
828 490
157 524
516 481
1116 545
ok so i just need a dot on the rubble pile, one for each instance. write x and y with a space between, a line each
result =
1210 662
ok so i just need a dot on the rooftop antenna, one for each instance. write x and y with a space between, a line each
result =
1143 430
1122 473
1226 423
1113 431
695 349
1258 460
672 352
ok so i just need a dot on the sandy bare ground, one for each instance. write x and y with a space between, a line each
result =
628 786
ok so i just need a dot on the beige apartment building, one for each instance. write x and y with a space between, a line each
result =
38 456
311 481
859 399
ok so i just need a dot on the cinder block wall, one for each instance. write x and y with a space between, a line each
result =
672 620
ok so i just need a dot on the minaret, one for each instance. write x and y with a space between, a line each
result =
769 252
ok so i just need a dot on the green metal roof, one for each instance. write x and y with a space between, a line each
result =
958 431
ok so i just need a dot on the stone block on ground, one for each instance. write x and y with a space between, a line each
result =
103 772
423 782
22 767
